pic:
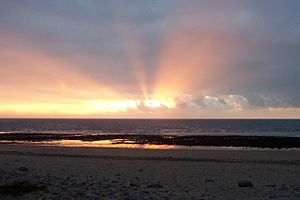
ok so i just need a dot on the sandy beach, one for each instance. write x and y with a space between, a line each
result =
103 173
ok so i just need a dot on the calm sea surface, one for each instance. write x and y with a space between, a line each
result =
153 127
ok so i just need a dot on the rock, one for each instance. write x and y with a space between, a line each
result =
133 185
245 184
155 185
23 169
21 187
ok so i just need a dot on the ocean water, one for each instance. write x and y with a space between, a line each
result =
188 127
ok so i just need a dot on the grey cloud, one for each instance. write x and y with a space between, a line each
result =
258 42
260 101
239 102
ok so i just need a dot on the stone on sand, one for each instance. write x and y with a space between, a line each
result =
245 184
23 169
155 185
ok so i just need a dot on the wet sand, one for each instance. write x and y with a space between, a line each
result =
102 173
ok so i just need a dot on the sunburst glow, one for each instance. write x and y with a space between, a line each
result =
89 107
155 103
113 106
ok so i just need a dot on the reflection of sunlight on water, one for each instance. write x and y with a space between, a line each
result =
118 143
130 144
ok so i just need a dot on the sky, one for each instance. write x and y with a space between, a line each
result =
150 59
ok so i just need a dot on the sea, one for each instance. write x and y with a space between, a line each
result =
188 127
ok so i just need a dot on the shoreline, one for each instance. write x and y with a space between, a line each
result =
169 140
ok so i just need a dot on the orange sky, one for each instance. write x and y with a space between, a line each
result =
147 60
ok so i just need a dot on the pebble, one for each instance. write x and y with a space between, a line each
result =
245 184
133 185
155 185
23 169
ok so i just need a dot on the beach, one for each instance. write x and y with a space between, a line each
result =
120 173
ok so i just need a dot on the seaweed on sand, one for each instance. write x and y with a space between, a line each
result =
20 188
